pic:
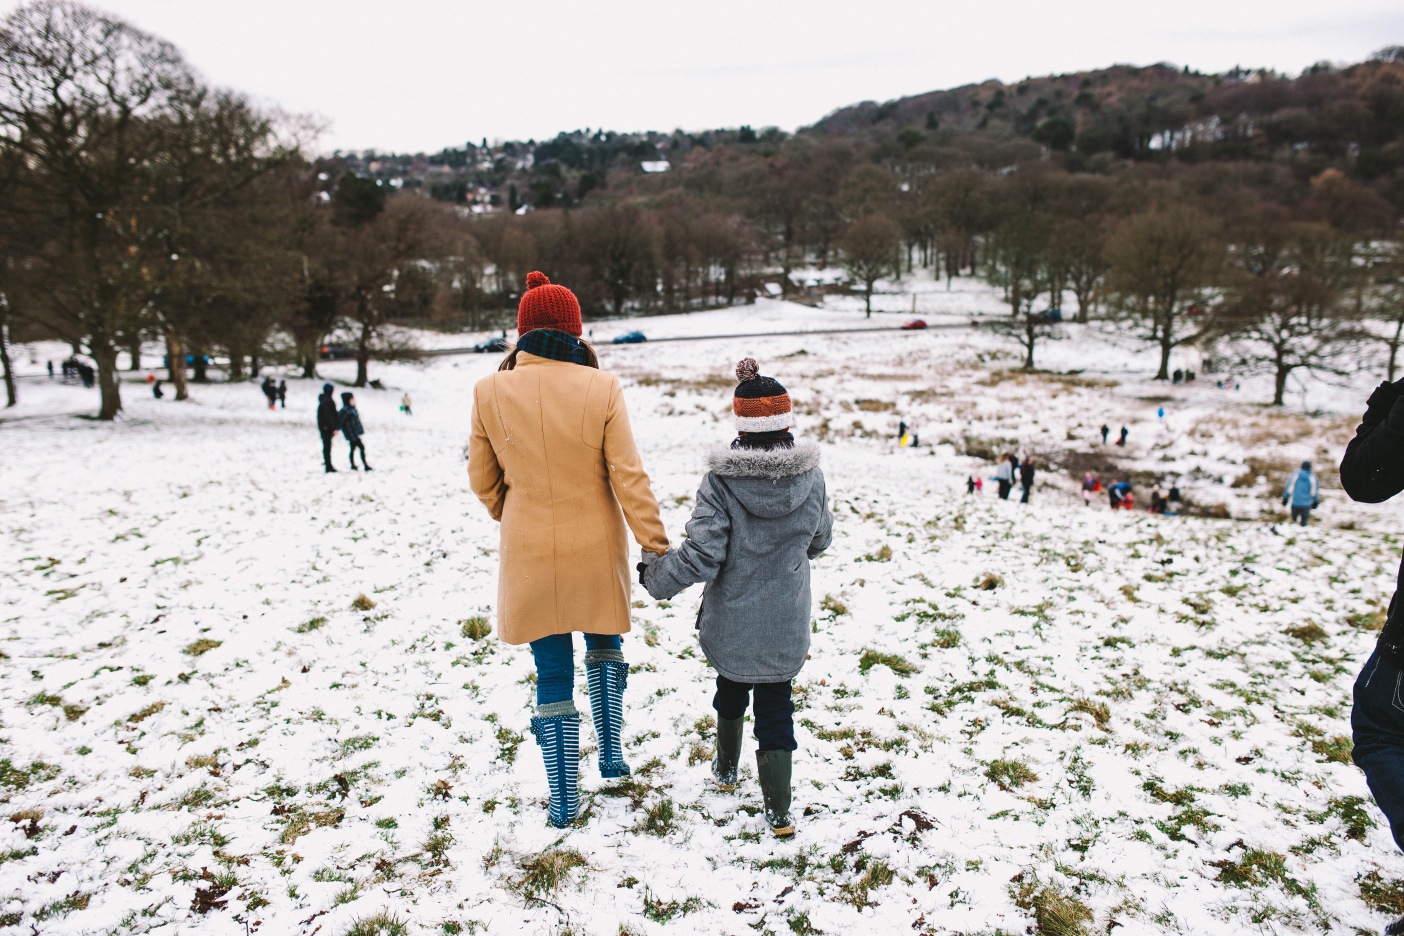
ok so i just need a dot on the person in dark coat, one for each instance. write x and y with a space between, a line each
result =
327 423
283 393
1106 431
1372 471
1004 475
1124 433
270 391
156 390
1026 479
350 422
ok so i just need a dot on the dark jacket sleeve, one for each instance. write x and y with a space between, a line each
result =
701 555
1373 467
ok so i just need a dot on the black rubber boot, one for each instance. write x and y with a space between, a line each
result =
728 754
773 771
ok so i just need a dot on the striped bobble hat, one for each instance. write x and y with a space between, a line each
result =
760 403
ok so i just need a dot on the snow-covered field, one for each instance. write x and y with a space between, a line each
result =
238 694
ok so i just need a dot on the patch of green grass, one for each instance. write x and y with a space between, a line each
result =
383 923
17 778
945 638
1257 867
1354 812
661 911
1009 774
308 627
1055 913
1099 712
660 819
507 743
892 661
1335 749
876 874
202 646
546 872
142 679
882 555
356 743
1383 895
1369 620
1309 633
475 628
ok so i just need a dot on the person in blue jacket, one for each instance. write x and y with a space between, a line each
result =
1302 493
350 423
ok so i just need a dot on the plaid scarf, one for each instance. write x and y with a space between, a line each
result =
556 345
764 440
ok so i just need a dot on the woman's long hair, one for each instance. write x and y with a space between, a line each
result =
510 361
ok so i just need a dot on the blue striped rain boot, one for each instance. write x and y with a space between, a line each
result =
557 729
608 674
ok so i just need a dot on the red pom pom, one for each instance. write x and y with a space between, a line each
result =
536 278
747 369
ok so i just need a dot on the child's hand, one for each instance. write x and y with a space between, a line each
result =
642 567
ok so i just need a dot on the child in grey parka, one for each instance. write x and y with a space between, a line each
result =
762 514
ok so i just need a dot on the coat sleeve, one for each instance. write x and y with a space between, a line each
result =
485 474
701 555
1373 467
628 478
825 534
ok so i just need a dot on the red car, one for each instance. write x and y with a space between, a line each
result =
914 324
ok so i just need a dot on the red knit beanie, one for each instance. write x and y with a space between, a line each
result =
545 305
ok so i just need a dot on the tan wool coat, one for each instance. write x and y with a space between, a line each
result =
553 459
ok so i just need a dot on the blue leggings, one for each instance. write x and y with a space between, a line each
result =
555 664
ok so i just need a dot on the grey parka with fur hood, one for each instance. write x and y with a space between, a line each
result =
761 515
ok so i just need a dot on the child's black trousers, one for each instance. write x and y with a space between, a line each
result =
774 714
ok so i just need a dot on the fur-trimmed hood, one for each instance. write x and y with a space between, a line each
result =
771 464
767 482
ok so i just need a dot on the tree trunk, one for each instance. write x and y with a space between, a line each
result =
254 365
868 300
134 349
363 356
10 395
236 365
1165 348
1279 387
201 370
309 364
104 353
175 364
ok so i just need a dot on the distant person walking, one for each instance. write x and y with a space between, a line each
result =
51 370
1106 431
1026 479
1090 487
270 392
1372 471
1173 503
350 422
1004 475
156 390
1302 493
1124 433
405 404
327 423
283 394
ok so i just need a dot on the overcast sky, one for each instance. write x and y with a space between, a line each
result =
424 74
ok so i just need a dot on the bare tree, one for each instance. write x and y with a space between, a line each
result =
80 95
1018 258
870 251
1286 307
1162 263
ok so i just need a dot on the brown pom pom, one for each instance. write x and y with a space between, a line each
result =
747 369
536 278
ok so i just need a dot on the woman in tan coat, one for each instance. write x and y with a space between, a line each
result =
553 459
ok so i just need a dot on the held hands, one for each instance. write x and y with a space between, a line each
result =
647 558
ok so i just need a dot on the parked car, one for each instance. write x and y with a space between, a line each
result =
189 360
633 337
1049 315
492 344
336 353
914 324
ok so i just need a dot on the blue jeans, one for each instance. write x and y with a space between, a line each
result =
1377 722
774 714
555 664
